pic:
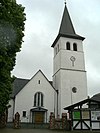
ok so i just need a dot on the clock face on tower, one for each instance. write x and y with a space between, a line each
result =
72 58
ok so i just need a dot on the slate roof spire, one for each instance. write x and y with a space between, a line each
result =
67 28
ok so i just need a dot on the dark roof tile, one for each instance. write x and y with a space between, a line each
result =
96 97
18 84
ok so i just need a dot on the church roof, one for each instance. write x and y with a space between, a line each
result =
67 28
96 97
18 85
81 103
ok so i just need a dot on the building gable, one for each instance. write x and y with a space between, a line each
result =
37 93
49 82
19 85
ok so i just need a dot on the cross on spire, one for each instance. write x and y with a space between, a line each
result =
65 2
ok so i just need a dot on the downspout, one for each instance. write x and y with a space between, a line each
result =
13 106
57 102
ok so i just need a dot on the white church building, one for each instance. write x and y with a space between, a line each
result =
34 99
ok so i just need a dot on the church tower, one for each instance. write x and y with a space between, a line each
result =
69 75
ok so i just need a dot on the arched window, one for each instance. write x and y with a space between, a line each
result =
74 46
38 99
68 45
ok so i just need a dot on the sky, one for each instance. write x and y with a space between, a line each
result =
41 29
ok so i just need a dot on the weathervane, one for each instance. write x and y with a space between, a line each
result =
65 2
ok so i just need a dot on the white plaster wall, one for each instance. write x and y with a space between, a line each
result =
79 125
64 40
96 125
66 62
57 62
69 76
57 85
84 126
62 58
56 47
62 44
72 79
10 111
25 98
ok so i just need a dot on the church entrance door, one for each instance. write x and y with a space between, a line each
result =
39 117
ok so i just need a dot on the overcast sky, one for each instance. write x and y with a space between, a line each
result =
41 28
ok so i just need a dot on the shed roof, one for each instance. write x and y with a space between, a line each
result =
81 103
96 97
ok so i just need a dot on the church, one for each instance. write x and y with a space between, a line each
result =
36 98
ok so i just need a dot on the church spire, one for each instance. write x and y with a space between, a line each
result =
67 28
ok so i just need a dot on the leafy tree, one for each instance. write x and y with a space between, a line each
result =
12 21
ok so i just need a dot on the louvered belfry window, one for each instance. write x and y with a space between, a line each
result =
68 45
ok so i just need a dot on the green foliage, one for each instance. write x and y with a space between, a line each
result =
12 21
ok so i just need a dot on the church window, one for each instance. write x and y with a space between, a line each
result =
24 113
56 50
38 99
58 47
38 81
35 99
38 104
68 45
74 89
75 47
41 100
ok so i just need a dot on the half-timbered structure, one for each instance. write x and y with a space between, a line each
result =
83 116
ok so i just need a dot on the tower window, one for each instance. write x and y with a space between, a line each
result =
68 45
75 47
38 99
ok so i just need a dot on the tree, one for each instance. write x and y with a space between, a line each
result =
12 22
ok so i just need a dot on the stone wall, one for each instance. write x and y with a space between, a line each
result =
60 123
17 121
52 120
